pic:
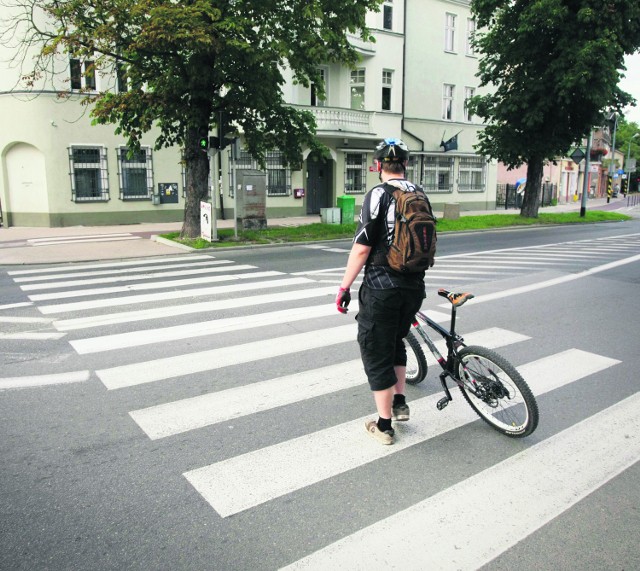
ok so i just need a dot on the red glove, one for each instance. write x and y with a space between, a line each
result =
342 299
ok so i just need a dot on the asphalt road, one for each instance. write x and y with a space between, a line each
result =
206 412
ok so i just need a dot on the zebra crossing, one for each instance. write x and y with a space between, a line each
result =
242 314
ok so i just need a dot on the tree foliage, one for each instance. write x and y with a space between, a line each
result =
185 61
552 67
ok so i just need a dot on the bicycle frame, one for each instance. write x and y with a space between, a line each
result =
448 364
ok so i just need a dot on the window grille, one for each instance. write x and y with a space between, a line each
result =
278 175
413 169
472 174
89 175
135 174
438 174
355 173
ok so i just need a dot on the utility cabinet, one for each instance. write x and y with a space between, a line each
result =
251 199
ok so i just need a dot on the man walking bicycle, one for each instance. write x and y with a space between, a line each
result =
388 298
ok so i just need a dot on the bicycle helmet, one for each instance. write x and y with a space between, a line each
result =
391 151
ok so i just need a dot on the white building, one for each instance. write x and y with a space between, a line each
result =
58 170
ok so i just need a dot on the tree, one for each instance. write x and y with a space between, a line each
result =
552 68
186 61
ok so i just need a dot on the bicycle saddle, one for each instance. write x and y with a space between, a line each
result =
456 299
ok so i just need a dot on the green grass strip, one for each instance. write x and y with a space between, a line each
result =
318 231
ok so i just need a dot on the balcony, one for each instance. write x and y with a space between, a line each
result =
333 120
365 49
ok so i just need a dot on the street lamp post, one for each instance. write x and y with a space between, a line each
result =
626 167
613 118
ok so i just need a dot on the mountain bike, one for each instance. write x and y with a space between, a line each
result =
491 385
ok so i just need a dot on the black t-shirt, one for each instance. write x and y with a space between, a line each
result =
375 229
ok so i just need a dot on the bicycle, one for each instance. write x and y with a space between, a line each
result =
491 385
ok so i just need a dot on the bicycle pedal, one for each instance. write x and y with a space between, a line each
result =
442 403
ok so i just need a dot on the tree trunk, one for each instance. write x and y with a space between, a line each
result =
531 201
197 181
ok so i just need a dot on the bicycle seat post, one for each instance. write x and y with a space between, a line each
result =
452 326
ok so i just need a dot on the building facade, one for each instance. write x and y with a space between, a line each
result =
412 83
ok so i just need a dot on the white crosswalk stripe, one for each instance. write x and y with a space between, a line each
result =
475 510
245 481
287 318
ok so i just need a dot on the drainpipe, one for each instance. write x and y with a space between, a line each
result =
404 75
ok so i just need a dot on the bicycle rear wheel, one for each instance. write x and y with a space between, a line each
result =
504 399
416 361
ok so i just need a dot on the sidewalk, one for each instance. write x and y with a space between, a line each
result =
26 245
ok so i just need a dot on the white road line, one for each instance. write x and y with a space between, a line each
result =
245 481
137 299
169 367
11 319
191 330
129 278
102 265
152 285
44 380
552 282
527 490
201 308
77 237
186 265
14 305
204 410
31 336
85 241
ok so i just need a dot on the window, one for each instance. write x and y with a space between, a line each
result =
387 16
89 176
316 101
472 174
121 77
413 169
82 74
387 80
278 176
469 92
438 174
357 88
471 30
355 173
450 32
448 92
135 174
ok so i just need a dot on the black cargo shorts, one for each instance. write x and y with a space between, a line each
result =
384 318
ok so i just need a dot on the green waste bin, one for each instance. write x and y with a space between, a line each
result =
347 206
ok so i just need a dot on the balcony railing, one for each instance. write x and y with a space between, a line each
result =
343 120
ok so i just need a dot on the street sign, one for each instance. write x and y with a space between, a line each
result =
578 156
631 165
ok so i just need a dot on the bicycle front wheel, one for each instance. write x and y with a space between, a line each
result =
416 361
503 399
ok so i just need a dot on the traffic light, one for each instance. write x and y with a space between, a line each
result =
203 144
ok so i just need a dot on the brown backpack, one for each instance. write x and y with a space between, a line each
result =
413 248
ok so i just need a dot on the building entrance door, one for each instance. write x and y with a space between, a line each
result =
319 183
